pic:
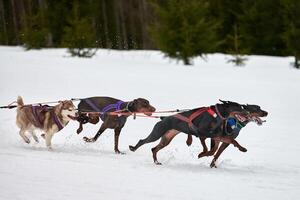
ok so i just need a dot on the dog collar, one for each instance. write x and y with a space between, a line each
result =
218 112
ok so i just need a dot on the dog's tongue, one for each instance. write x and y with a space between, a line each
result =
257 120
72 117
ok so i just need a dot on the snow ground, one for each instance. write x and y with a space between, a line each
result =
76 170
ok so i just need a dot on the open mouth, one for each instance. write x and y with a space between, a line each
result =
257 120
240 117
72 117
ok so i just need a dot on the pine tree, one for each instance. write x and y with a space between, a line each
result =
237 51
80 36
292 34
183 29
262 26
34 34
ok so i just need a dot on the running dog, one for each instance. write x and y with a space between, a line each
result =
102 106
200 122
231 130
49 120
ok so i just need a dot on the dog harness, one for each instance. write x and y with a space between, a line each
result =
196 114
233 126
37 117
110 107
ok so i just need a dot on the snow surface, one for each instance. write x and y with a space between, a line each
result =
76 170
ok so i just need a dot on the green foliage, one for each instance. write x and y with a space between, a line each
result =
80 36
262 26
237 51
34 35
183 29
292 34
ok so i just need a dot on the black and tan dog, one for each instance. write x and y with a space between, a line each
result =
200 122
102 106
231 131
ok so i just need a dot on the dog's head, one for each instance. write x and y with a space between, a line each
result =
234 109
255 112
141 105
67 109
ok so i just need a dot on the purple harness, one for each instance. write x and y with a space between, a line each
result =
115 106
53 115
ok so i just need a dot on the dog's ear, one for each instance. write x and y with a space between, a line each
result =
222 101
60 105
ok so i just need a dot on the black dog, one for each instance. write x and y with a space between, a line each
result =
200 122
232 131
102 106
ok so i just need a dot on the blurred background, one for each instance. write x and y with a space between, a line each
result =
182 29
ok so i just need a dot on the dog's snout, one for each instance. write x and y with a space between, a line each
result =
153 109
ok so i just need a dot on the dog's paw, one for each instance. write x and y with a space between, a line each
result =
119 152
202 154
132 148
36 139
86 139
27 140
79 130
243 149
157 163
213 164
189 142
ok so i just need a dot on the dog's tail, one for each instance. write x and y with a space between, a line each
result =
20 102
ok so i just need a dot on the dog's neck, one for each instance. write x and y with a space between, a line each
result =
64 120
129 106
221 111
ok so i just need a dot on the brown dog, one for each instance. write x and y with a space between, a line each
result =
103 106
48 119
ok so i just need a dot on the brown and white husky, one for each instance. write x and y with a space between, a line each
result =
48 119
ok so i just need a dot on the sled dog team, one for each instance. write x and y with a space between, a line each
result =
221 122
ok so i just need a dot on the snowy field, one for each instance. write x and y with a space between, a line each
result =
76 170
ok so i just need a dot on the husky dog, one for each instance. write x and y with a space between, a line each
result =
48 119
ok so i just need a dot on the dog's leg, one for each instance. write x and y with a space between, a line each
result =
82 119
212 143
189 140
48 138
117 134
100 131
158 131
217 155
165 140
22 134
32 131
212 151
80 128
204 151
230 140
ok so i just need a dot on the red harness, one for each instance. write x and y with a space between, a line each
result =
195 114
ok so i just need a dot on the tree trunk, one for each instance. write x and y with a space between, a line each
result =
118 35
3 21
297 62
186 61
106 43
15 23
123 24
